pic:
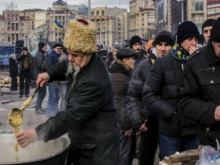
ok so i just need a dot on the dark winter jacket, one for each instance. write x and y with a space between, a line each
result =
109 60
139 57
21 59
39 63
160 96
200 94
120 75
103 54
136 108
13 68
52 59
90 117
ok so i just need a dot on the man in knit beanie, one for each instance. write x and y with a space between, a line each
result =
39 67
201 87
141 118
163 80
136 45
206 29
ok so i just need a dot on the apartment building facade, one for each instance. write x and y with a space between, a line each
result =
112 25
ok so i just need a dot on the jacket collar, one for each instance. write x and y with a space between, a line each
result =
210 54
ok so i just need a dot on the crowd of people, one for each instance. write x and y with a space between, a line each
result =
28 67
166 94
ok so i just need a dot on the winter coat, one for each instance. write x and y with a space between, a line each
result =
52 59
160 96
200 94
90 117
120 75
39 63
136 108
109 60
139 57
103 54
13 67
21 59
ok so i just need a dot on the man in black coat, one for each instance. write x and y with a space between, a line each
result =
176 133
26 68
120 75
136 45
39 67
142 119
206 30
90 117
200 93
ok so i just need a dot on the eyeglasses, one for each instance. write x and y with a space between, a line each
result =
59 48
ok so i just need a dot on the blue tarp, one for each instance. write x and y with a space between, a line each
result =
5 52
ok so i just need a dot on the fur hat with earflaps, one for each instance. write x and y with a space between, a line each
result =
81 36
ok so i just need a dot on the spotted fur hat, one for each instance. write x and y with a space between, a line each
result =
81 36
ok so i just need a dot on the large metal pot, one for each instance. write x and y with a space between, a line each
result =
53 152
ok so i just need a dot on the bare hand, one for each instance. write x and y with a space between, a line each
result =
42 79
26 137
192 49
217 113
143 128
128 133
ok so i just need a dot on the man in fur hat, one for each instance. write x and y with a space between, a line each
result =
200 93
90 117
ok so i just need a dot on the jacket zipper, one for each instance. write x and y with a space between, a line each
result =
207 69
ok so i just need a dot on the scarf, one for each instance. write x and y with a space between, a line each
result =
57 56
179 53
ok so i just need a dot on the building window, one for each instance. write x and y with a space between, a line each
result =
103 13
22 35
198 6
22 24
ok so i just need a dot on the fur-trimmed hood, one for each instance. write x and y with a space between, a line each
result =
119 67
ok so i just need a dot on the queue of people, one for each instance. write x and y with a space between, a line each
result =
166 95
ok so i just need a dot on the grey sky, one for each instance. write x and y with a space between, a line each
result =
44 4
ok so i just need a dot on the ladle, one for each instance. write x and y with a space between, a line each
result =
15 116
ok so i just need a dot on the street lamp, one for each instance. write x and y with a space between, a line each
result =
89 10
181 1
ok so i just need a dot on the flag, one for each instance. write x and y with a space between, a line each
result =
57 25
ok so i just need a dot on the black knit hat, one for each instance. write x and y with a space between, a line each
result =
134 40
215 32
164 36
185 30
41 45
25 49
208 22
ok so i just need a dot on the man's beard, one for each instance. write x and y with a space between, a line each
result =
73 70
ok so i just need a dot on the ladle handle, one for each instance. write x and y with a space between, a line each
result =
28 101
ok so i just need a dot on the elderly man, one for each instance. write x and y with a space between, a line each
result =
200 93
137 112
90 117
176 133
120 75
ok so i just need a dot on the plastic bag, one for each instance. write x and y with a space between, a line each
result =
207 156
